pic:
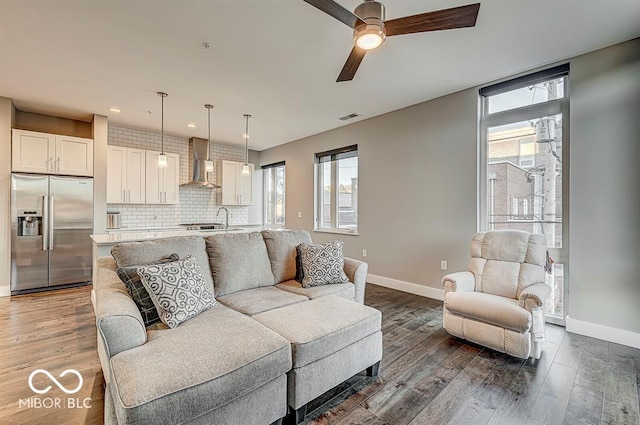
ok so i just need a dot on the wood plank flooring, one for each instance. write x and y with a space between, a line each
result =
426 376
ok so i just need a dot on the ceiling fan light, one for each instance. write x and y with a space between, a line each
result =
369 37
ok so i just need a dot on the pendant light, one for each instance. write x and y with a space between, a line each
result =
208 164
246 170
162 158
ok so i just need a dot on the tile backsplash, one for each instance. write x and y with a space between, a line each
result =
197 205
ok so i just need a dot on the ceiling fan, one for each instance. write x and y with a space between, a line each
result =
370 29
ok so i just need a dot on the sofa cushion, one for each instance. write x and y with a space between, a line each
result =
281 247
207 362
342 290
322 326
488 308
258 300
178 290
147 252
238 262
322 264
131 279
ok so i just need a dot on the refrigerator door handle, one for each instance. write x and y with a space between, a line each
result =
45 222
50 224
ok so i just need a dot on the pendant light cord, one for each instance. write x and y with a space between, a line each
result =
246 138
209 107
162 96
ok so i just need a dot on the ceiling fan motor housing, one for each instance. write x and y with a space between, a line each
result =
372 13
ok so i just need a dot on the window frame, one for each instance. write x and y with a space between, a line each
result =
523 113
266 199
332 156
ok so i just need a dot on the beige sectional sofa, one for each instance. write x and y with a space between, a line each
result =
267 348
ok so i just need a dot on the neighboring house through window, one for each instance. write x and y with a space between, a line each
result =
336 200
274 194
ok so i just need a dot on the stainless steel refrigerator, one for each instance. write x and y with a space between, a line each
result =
51 220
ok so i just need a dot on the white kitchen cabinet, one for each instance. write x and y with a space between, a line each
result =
125 175
237 189
162 183
36 152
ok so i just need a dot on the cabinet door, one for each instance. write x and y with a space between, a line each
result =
170 180
116 174
229 171
152 178
74 156
245 186
32 152
135 183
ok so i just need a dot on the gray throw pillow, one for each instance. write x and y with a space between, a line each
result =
178 290
322 264
129 276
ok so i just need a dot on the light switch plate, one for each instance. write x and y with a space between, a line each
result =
443 265
299 214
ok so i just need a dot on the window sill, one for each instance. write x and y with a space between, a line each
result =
336 231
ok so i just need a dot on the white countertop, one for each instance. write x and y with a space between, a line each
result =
113 238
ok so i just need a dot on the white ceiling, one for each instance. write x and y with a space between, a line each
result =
275 59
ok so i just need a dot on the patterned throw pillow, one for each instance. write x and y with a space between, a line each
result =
129 276
178 290
322 264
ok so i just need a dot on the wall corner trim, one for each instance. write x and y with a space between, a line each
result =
593 330
411 288
5 291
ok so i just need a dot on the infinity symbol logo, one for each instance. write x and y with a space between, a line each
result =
55 381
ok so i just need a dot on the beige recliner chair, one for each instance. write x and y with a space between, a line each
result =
493 303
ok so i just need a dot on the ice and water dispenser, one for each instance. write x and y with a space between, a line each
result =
29 222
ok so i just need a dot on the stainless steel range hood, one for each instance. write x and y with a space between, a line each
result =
198 150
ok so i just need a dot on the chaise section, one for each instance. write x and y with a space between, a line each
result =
210 362
258 300
331 340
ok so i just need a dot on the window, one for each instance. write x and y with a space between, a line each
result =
523 176
274 194
336 200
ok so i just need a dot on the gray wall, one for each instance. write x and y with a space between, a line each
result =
605 188
417 171
7 121
418 177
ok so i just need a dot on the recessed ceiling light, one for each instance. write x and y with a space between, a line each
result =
191 125
115 109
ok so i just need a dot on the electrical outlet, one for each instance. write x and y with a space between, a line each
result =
299 214
443 264
364 252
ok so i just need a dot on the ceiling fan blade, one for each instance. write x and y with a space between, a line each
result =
456 17
332 8
351 65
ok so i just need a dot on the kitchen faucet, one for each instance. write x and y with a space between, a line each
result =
226 217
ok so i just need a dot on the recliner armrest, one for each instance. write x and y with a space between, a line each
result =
459 282
356 271
534 295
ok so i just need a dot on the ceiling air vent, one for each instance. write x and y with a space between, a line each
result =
348 117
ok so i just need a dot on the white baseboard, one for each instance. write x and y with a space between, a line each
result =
5 291
593 330
412 288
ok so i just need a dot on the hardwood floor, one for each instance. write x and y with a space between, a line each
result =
426 376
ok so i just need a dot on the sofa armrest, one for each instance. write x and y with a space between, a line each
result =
459 282
118 320
534 295
356 271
